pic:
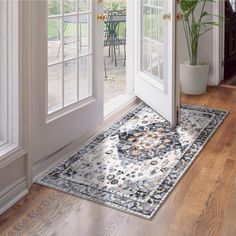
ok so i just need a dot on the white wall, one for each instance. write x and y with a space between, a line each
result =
206 50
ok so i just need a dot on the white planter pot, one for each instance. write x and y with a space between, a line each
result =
193 79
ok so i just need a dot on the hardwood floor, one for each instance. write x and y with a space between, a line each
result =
203 203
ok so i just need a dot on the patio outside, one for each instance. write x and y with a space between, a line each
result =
115 71
69 78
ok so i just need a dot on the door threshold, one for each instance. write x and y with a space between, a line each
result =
117 103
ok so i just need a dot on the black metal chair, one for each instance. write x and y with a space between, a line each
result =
112 37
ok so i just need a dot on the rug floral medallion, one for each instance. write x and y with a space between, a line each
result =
134 165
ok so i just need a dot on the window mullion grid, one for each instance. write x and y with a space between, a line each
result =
78 56
85 13
70 14
150 38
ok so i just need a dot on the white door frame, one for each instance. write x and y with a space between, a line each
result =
218 42
130 46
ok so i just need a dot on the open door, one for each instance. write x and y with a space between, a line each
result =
67 73
154 72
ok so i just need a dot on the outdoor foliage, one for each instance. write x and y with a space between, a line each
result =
54 7
196 24
114 6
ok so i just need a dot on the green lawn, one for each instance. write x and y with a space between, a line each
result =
70 29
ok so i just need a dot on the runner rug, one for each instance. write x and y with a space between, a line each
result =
134 165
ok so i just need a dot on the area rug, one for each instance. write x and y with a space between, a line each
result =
134 165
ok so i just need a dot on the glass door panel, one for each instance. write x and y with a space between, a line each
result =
69 53
152 38
55 89
70 82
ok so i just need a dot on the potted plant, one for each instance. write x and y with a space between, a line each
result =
194 74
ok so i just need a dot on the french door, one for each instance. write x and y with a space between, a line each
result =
67 73
154 54
68 70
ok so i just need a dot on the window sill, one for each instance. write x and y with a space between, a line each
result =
2 145
9 153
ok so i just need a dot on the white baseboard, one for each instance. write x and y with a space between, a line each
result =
13 194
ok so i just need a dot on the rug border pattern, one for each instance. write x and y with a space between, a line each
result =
108 131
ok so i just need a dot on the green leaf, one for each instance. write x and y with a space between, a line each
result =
196 24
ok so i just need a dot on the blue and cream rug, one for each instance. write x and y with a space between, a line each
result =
134 165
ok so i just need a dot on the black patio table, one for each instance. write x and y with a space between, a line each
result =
112 38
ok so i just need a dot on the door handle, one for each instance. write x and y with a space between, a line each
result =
179 16
166 16
101 17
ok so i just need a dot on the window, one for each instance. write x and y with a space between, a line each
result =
9 87
69 78
152 38
3 72
233 4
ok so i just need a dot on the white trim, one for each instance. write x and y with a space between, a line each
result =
12 86
150 78
175 79
68 109
3 73
12 194
218 44
129 47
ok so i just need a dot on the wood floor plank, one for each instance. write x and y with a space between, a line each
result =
229 227
202 203
210 222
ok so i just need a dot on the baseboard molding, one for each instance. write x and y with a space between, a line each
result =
45 165
227 86
13 194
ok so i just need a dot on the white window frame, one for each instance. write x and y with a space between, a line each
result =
65 109
10 100
157 81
